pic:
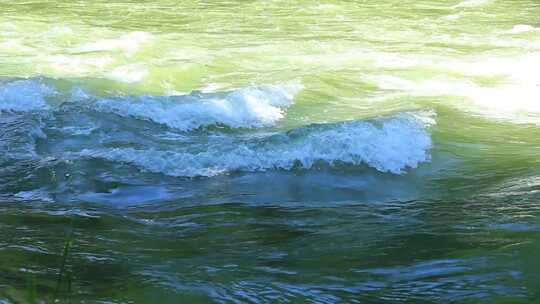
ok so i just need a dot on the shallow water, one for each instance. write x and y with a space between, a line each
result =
270 152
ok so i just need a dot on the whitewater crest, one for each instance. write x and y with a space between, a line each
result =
24 95
389 145
250 107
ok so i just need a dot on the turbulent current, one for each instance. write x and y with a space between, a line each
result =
270 151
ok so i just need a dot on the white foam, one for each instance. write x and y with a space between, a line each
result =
388 145
326 6
522 28
128 43
244 108
516 98
212 88
470 3
15 46
24 95
76 65
129 73
519 103
454 17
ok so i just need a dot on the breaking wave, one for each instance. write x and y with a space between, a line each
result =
257 106
244 108
388 145
24 95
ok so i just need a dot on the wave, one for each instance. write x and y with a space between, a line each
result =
257 106
24 95
18 135
388 145
244 108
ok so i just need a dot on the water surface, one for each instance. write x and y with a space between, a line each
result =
269 151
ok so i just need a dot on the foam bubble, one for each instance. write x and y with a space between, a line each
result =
388 145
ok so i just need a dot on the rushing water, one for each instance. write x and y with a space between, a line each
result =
270 151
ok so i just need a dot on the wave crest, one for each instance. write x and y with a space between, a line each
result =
24 95
245 108
388 145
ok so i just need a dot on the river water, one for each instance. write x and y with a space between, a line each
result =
270 151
